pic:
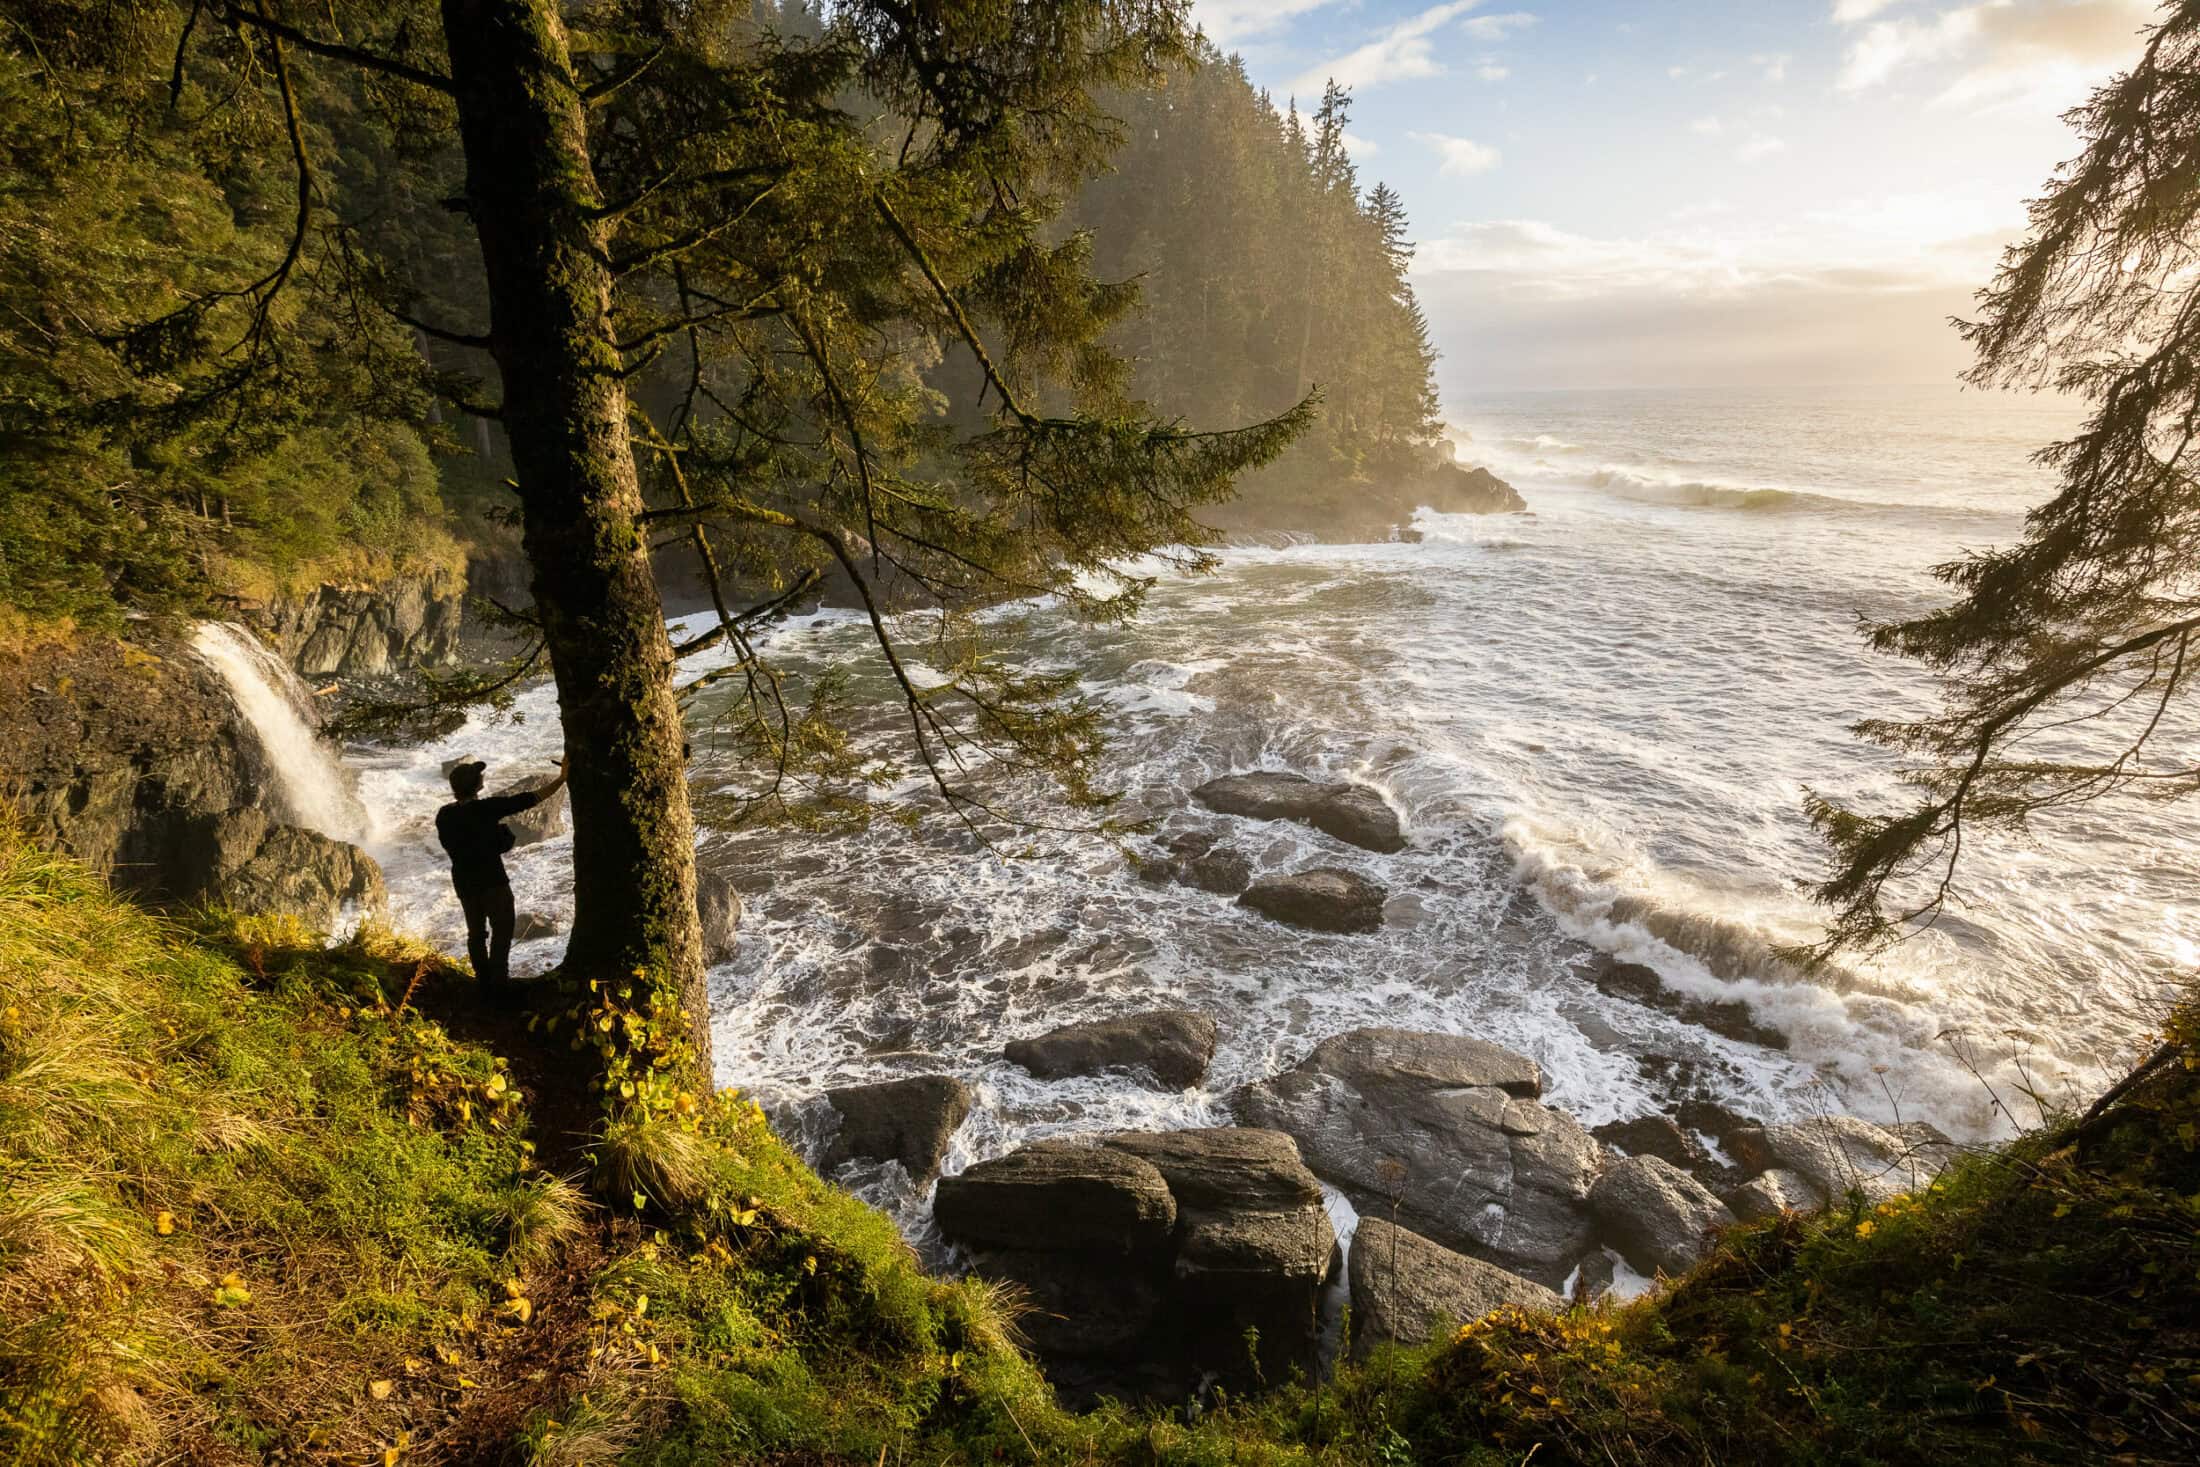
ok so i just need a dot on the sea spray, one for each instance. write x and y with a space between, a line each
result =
312 786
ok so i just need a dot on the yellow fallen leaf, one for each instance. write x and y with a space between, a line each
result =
380 1389
164 1224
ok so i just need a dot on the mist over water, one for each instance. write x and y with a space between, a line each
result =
1597 721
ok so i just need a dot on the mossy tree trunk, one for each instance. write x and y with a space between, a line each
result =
546 248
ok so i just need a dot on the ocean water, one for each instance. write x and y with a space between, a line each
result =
1597 720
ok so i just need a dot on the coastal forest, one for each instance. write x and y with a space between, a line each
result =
779 414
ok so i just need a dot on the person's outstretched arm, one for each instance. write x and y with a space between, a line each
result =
499 806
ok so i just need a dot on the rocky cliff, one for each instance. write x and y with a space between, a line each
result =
367 630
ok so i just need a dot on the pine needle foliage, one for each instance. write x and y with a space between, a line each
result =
2068 657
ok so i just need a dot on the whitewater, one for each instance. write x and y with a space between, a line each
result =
1597 720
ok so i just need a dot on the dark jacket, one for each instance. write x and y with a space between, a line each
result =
473 835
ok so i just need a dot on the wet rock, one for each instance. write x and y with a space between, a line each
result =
1639 983
1774 1192
1196 859
244 860
1656 1136
1454 489
907 1121
718 905
1709 1118
1353 813
1173 1046
1657 1216
530 925
1446 1129
539 821
1404 1287
1055 1196
1835 1154
1326 899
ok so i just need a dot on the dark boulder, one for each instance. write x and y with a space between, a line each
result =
242 859
1353 813
1404 1287
1656 1136
1657 1216
1326 899
906 1121
718 905
1197 859
1447 1131
530 925
1640 983
1454 489
1133 1306
1173 1046
1056 1196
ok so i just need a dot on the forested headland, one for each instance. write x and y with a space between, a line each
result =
149 216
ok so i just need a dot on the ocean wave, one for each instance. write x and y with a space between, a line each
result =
1711 494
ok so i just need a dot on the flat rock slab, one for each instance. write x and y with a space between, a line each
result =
1173 1046
1446 1130
1353 813
1404 1287
1657 1216
1055 1196
906 1121
1246 1203
1326 899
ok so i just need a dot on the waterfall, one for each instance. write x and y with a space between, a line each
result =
312 787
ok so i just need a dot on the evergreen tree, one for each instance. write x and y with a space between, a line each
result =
2069 655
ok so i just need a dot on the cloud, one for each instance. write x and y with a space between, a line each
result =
1459 157
1760 147
1407 49
1848 12
1858 290
1775 66
1491 71
2049 50
1360 147
1230 21
1709 127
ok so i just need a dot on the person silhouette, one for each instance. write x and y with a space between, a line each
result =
474 836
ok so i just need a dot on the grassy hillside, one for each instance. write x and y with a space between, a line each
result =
257 1204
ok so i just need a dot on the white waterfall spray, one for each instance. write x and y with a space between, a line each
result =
311 784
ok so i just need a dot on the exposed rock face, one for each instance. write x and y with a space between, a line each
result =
1353 813
1326 899
1639 983
1835 1153
1173 1046
1449 1128
1149 1256
1774 1192
366 631
1454 489
115 753
1404 1286
906 1121
1197 858
1657 1216
719 907
248 862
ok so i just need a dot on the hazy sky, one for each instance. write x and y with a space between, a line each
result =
1697 192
